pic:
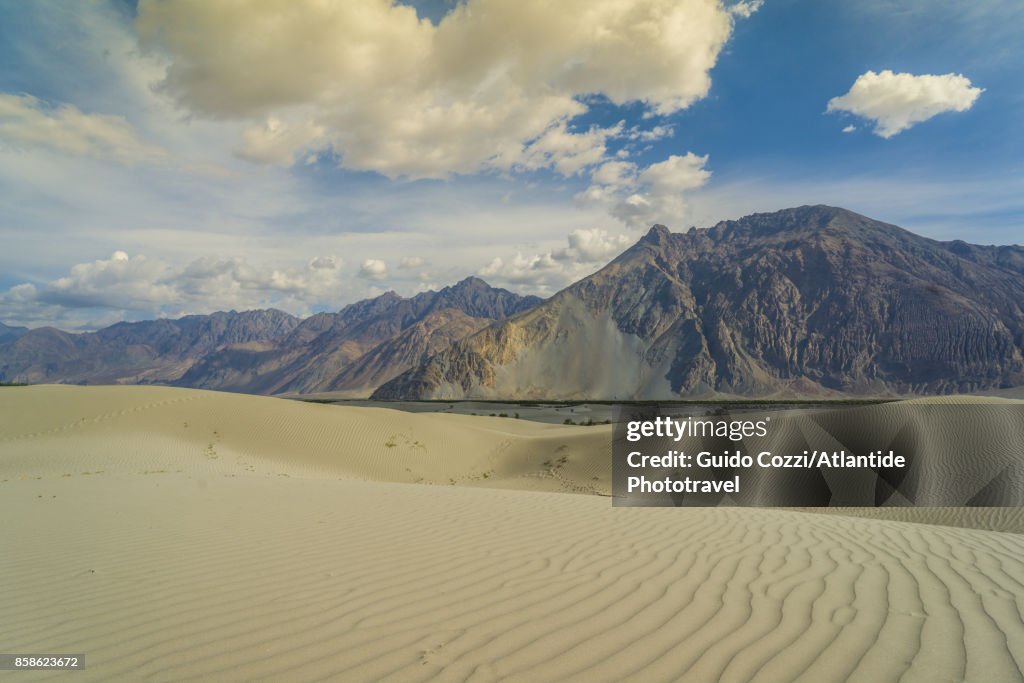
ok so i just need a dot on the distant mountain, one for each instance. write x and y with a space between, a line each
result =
361 346
808 301
148 351
353 350
8 333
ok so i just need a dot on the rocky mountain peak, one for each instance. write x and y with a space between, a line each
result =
657 234
477 298
471 282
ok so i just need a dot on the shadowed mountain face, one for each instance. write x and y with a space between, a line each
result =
807 301
8 333
354 350
148 351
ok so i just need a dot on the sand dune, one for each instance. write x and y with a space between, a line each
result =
67 430
182 535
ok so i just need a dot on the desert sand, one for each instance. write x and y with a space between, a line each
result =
174 534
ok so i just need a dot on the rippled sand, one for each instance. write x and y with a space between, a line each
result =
173 534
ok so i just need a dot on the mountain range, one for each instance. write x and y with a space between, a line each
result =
267 351
811 301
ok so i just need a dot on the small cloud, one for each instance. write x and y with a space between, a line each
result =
850 128
373 269
650 134
552 270
641 197
898 101
409 262
537 272
745 8
325 263
614 174
592 246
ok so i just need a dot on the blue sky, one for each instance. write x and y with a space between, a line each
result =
169 158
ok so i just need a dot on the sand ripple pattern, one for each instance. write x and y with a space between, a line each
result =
227 538
304 580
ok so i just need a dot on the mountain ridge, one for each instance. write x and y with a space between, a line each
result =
262 351
814 299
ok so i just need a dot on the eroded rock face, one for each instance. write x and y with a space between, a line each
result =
362 346
808 301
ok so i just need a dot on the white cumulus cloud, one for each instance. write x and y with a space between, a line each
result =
494 85
373 269
641 197
552 270
540 272
133 286
592 246
897 101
